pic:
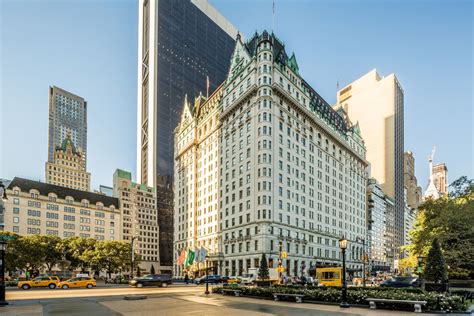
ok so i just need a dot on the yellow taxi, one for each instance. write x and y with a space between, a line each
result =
87 282
43 281
233 280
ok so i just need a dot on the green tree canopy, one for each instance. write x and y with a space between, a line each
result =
451 221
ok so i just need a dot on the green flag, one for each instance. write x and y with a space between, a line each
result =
190 257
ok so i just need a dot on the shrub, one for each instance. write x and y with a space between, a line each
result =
435 265
358 296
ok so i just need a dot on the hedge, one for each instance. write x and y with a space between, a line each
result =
357 296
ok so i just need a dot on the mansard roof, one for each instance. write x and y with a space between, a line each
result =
317 104
44 189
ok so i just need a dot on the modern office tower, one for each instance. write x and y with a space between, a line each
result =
139 218
67 168
376 227
180 45
376 103
67 114
440 178
266 165
39 208
414 193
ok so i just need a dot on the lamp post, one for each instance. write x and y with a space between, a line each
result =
132 258
343 246
207 277
3 249
366 259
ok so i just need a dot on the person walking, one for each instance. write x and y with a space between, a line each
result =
186 278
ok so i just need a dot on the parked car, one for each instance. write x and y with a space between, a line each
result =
161 280
43 281
213 278
401 281
233 280
87 282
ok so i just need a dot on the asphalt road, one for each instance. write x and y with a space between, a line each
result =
39 294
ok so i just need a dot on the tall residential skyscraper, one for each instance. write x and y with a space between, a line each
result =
414 192
376 103
265 164
440 178
180 45
67 114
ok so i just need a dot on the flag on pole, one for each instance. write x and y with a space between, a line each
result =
179 256
203 254
183 257
197 255
207 87
190 257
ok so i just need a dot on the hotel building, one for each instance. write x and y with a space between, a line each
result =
67 168
264 164
35 207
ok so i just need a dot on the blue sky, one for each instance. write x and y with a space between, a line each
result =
89 48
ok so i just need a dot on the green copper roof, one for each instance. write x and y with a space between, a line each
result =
67 141
293 64
124 174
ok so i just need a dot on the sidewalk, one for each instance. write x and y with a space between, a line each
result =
183 304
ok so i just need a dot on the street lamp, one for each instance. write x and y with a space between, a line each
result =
3 249
343 246
207 277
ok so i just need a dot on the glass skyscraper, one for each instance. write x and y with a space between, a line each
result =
67 114
181 44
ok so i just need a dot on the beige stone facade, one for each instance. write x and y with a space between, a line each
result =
68 167
377 104
267 164
139 218
414 192
38 208
440 178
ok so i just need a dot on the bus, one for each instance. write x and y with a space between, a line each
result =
329 276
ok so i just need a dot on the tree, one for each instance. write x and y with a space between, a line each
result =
263 273
31 254
14 260
49 247
78 251
435 270
110 256
152 270
451 221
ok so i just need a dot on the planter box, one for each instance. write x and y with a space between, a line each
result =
263 283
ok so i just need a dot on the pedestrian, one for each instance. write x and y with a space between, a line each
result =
186 278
